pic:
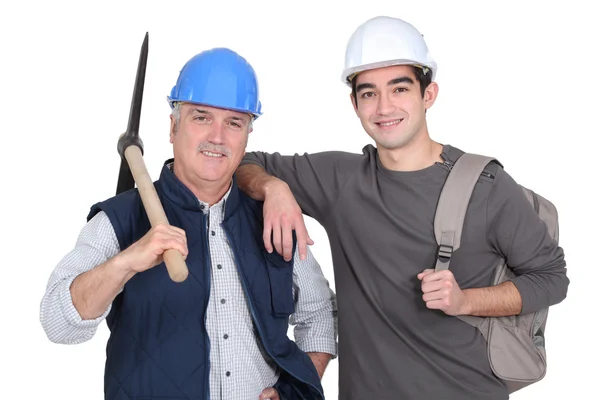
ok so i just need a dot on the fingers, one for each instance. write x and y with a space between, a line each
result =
430 275
176 243
168 237
303 240
269 393
428 287
286 239
283 238
436 295
277 237
425 273
440 291
436 305
147 252
267 230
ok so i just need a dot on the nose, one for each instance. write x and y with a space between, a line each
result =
216 132
385 106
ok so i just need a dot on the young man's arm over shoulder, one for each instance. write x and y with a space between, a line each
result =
291 186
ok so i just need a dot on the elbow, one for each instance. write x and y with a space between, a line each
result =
55 338
65 336
58 328
563 288
560 286
53 333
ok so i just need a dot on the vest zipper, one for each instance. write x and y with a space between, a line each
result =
208 268
253 313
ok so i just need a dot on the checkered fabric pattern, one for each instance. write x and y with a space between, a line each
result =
240 368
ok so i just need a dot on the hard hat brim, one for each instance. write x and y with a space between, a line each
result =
255 114
350 73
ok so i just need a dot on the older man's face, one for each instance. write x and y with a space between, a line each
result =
208 143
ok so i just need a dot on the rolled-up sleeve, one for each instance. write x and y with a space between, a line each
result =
97 242
315 316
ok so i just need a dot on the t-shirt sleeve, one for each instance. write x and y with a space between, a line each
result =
516 232
316 179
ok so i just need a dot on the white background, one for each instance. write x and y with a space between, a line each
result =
518 80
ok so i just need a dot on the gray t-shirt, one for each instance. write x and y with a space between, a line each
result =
380 227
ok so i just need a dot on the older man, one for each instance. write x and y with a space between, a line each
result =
222 333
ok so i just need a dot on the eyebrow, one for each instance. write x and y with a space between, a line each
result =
199 111
395 81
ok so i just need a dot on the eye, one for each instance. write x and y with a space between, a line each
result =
200 118
235 124
366 95
400 90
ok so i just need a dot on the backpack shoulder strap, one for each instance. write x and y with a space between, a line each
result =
453 203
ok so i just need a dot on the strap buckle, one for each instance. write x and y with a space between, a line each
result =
445 252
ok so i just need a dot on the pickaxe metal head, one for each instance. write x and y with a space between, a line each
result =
131 135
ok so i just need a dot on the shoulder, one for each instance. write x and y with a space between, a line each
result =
122 202
339 159
490 172
124 211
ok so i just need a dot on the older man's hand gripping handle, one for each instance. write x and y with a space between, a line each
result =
174 261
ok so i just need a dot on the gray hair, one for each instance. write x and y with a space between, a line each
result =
176 113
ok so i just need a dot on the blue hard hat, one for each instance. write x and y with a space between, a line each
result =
219 78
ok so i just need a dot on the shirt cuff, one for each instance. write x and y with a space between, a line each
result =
319 345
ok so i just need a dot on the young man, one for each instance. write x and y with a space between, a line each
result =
221 333
399 338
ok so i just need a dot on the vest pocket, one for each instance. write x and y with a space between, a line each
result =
281 281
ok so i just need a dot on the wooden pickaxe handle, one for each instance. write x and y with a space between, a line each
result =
133 170
173 259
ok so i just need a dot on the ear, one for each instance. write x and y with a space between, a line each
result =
430 94
353 100
172 130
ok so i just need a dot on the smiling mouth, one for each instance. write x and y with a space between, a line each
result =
211 154
387 124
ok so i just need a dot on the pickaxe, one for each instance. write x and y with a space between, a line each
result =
133 170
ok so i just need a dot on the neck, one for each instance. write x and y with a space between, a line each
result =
419 153
210 192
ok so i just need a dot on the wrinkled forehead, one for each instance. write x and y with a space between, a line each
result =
191 109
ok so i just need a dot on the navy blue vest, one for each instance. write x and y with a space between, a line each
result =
158 346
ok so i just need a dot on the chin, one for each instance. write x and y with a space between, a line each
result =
393 140
209 174
211 177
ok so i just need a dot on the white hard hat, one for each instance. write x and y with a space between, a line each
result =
382 42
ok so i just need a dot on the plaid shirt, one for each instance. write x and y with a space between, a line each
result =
240 367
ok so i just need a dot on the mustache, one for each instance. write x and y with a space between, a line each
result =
214 148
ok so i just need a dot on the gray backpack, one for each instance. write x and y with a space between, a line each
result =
515 345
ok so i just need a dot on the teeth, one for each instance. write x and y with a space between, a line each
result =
208 153
390 123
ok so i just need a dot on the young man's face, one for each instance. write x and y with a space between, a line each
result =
209 142
390 105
